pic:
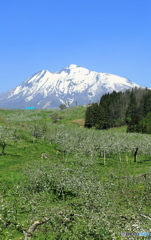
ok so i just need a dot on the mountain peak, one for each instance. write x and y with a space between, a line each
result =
72 66
73 84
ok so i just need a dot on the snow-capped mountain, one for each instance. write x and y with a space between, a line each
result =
74 85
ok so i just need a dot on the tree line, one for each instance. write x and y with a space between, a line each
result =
131 108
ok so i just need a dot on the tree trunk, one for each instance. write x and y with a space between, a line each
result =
135 154
3 149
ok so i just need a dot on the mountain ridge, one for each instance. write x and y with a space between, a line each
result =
73 84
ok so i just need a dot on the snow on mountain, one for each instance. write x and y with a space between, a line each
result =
73 84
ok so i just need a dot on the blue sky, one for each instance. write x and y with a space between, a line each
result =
112 36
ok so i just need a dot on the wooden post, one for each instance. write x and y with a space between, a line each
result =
135 154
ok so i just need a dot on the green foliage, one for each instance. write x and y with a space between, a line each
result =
91 116
132 114
110 112
116 109
145 124
148 122
62 106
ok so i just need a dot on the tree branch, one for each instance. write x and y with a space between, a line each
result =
33 227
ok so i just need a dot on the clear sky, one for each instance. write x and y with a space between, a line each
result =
111 36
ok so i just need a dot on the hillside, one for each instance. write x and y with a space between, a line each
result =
62 181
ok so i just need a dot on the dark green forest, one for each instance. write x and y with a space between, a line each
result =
131 108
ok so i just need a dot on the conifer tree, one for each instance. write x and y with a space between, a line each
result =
88 118
132 114
116 109
91 116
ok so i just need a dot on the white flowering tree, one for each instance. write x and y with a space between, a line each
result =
6 137
38 130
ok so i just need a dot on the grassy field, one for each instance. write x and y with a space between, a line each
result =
60 181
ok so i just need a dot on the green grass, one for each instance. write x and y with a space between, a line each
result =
118 129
